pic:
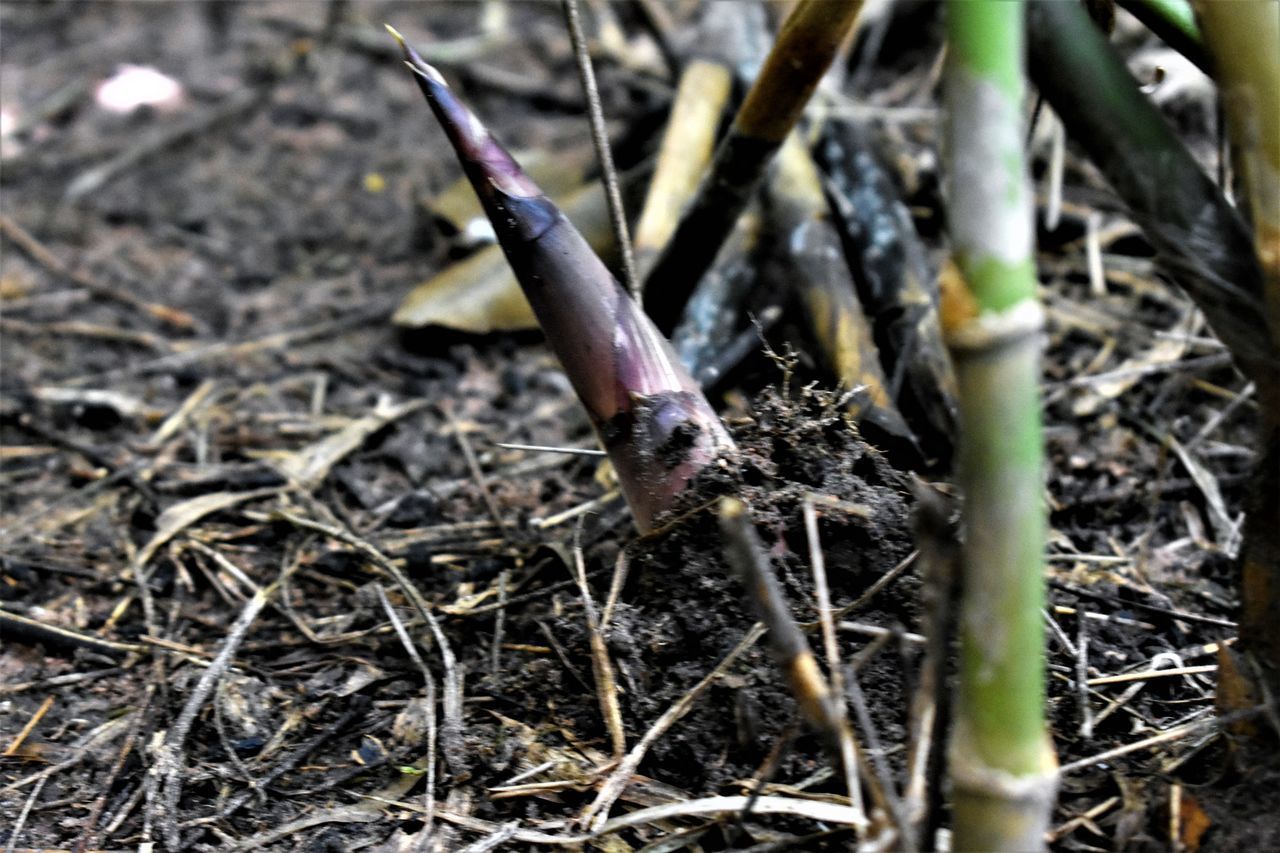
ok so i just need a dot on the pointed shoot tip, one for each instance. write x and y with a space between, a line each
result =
414 60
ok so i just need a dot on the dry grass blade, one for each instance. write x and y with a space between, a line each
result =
309 466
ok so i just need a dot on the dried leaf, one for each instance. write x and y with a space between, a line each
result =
180 516
309 466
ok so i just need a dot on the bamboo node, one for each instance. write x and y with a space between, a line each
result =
995 330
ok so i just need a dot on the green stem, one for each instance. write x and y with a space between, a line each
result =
1200 240
1002 763
1175 23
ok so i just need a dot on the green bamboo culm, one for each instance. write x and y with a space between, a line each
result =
1002 764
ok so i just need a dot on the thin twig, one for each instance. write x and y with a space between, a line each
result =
430 683
600 138
602 667
875 751
170 761
597 813
16 830
542 448
473 465
130 741
1082 678
931 706
1163 737
499 623
40 632
818 564
51 262
620 568
16 743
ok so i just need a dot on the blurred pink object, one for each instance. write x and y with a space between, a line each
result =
134 86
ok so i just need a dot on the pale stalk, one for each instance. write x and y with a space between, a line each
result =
1003 768
687 145
807 43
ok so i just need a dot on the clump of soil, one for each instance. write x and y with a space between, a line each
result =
681 611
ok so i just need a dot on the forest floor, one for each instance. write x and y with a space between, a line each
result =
211 433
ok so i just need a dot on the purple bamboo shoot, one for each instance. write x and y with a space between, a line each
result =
652 418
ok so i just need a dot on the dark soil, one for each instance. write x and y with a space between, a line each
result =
222 307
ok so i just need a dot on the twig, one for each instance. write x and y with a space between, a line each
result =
18 824
875 589
597 813
95 812
602 667
451 731
473 464
100 736
1164 737
499 623
356 709
42 256
620 568
542 448
165 137
22 626
1082 678
59 680
705 806
818 564
600 138
819 706
170 760
875 749
1152 673
931 706
430 683
16 743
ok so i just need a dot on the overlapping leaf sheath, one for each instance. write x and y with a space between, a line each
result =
826 290
890 265
480 294
654 421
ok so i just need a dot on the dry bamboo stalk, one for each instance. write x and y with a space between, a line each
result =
804 49
685 152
